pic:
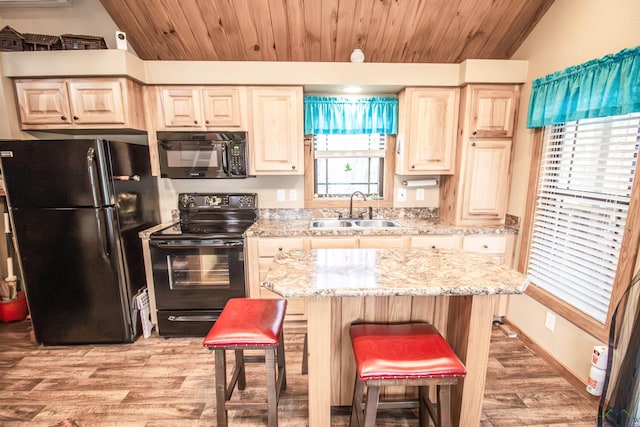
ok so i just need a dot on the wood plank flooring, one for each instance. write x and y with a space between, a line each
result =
169 382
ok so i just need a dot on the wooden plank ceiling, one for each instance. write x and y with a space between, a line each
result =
413 31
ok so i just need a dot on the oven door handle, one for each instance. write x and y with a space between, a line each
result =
198 318
190 245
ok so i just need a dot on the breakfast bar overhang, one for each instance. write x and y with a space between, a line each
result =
449 288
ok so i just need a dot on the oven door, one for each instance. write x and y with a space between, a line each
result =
197 274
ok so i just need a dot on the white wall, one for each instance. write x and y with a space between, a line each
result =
570 33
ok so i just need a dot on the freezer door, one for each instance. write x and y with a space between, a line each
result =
73 274
55 173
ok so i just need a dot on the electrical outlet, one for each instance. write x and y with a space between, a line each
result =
420 194
402 194
293 195
280 195
550 321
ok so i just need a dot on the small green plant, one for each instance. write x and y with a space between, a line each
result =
347 168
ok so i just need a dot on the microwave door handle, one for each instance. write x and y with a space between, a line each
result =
225 160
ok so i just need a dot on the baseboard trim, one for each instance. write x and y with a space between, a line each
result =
559 367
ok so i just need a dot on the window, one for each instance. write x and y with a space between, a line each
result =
585 185
347 163
338 165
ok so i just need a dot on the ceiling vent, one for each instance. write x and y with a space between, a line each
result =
36 3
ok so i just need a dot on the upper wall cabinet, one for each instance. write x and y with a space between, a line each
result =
79 104
276 140
493 110
201 108
427 131
478 192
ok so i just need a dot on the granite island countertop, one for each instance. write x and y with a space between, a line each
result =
389 272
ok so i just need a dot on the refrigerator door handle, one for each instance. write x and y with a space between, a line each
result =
93 178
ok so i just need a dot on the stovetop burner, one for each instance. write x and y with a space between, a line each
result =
212 216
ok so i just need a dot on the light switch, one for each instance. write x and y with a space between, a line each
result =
420 194
293 195
280 195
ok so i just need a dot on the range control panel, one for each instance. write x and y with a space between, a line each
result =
201 201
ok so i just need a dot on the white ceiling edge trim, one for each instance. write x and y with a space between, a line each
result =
314 76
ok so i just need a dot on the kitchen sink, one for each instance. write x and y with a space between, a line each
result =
375 223
353 223
330 223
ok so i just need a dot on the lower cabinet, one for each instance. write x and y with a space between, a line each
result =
258 257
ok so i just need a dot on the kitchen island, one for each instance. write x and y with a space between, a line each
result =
450 288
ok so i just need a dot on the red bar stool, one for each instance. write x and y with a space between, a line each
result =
412 354
249 324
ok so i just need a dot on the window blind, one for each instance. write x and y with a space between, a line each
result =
360 145
584 189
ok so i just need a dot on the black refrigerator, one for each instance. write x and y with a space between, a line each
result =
76 207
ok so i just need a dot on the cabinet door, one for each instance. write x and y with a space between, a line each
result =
43 102
181 107
276 131
493 111
429 132
486 179
222 107
96 101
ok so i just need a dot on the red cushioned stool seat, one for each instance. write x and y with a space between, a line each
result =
249 324
412 354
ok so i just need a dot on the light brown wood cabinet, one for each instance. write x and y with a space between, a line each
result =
427 131
259 254
76 104
478 193
201 108
276 140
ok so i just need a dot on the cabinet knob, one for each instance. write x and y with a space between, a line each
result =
195 122
63 118
280 249
473 144
485 246
206 122
474 133
75 117
433 246
293 166
413 166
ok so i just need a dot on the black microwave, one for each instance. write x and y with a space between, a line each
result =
203 154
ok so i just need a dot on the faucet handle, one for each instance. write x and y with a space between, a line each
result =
339 214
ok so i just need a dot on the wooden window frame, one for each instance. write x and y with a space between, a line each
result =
343 202
626 263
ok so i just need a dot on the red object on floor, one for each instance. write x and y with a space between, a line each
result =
11 311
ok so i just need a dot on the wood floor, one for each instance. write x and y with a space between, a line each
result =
169 382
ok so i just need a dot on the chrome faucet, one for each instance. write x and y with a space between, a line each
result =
351 201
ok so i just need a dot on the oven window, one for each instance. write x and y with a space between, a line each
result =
198 271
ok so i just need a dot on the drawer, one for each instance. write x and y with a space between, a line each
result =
268 247
333 242
485 244
450 241
381 242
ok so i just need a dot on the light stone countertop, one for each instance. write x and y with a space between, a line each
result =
409 226
389 272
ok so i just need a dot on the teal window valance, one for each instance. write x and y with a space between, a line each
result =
350 116
607 86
